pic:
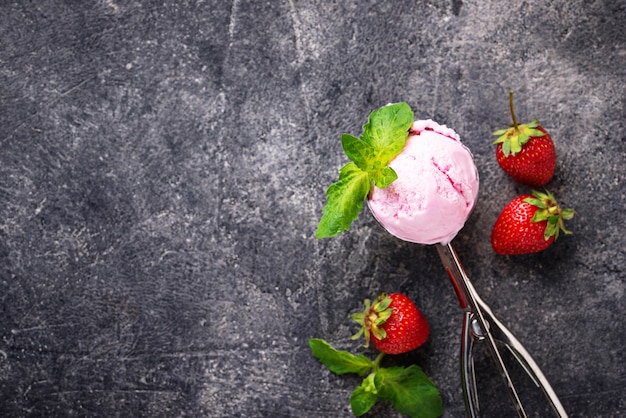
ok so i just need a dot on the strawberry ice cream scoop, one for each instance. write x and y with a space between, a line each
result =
436 188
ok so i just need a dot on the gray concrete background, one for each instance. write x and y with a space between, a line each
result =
163 167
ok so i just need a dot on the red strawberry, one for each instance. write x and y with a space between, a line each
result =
526 152
529 224
393 323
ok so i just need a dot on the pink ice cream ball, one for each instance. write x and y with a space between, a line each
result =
436 188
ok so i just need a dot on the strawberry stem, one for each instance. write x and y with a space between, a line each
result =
513 112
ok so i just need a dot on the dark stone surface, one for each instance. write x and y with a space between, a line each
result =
163 167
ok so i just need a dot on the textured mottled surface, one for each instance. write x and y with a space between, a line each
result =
163 167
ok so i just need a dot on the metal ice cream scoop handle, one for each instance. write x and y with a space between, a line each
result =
480 324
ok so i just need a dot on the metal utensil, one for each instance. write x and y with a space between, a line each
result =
480 324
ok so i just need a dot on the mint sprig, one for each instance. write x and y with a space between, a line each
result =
339 362
383 138
408 389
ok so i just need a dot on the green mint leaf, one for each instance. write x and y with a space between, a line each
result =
362 154
364 396
410 391
384 177
339 362
384 136
387 130
344 201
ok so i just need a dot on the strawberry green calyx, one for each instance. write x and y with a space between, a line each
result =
372 318
383 138
550 211
515 137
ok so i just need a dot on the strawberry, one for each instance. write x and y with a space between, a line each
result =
529 224
526 152
393 323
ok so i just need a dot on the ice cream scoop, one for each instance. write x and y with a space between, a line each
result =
436 188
